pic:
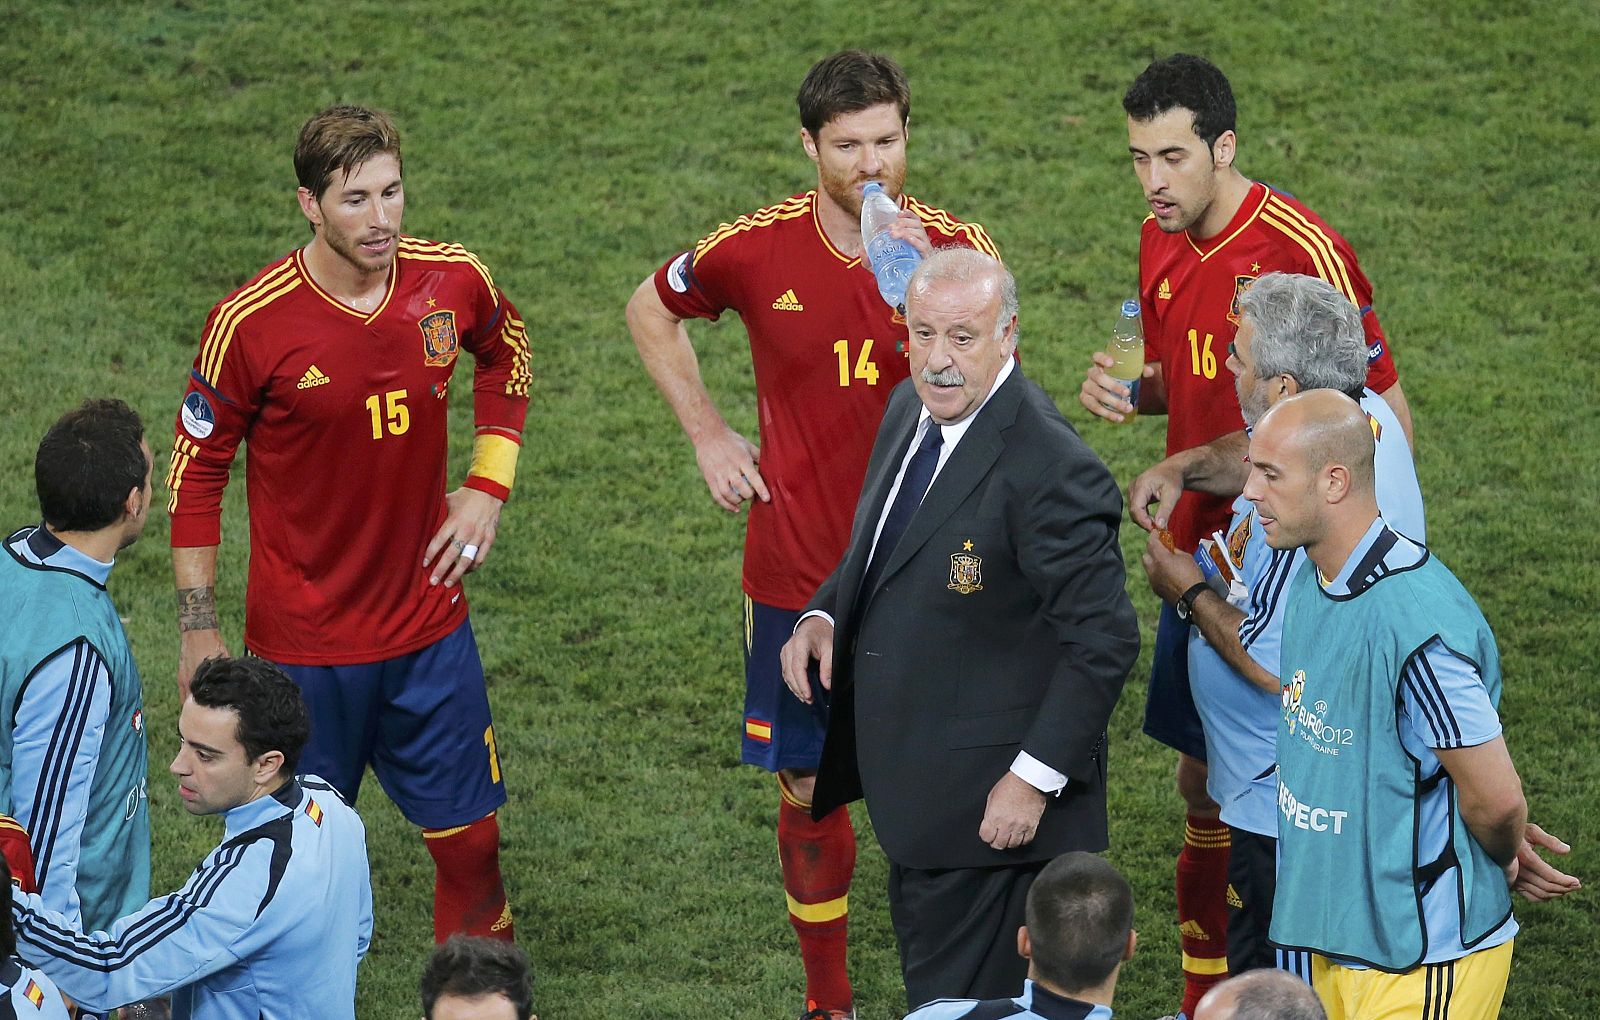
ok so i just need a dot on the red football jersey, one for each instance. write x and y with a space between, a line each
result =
14 847
1189 292
827 350
343 414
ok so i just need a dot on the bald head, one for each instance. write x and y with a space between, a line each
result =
1327 428
1261 995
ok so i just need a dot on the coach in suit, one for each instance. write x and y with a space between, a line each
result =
973 640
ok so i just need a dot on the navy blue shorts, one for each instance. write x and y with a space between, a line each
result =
780 730
1169 712
421 721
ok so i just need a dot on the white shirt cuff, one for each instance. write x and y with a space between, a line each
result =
807 616
1037 774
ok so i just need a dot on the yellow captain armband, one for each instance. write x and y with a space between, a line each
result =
494 459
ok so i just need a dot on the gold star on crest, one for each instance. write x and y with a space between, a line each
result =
433 302
1255 267
967 545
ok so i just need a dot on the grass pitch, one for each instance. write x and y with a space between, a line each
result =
576 146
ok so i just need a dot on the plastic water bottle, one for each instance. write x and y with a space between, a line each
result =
1127 352
892 260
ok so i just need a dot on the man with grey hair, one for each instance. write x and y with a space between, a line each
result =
973 640
1261 995
1296 333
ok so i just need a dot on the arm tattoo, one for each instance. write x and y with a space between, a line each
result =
197 608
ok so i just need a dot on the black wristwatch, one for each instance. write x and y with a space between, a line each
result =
1185 604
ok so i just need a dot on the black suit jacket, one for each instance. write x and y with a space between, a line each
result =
1001 623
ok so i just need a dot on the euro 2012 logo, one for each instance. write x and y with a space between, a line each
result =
1292 693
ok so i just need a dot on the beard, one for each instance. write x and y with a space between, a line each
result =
845 190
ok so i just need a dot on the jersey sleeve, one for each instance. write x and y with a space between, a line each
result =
703 282
172 941
1443 700
503 376
221 401
1261 631
60 723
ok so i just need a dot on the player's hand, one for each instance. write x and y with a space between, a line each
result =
728 464
463 541
812 642
908 227
195 647
1531 876
1103 395
1011 814
1161 484
1170 573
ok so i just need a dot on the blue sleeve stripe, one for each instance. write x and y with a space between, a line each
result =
1430 698
55 775
144 934
1264 600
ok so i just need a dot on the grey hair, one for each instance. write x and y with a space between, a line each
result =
957 263
1274 995
1307 329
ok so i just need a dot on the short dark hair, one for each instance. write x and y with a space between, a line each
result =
272 714
1185 80
849 82
469 966
339 139
87 463
8 934
1079 914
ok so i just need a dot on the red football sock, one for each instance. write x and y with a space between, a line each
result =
1203 907
469 895
818 859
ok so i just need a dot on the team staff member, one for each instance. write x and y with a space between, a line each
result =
1296 333
1211 232
333 365
73 762
1391 685
975 638
826 351
274 920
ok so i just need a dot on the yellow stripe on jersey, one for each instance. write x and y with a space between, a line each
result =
832 910
973 233
1313 239
515 336
494 457
1204 965
1266 194
214 345
183 451
766 217
433 251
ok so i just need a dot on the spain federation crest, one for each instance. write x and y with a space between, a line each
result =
1240 285
439 339
966 572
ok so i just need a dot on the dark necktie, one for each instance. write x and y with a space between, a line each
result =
918 476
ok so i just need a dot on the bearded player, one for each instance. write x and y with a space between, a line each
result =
333 366
1211 232
826 350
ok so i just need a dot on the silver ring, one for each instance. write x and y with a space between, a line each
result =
458 543
469 551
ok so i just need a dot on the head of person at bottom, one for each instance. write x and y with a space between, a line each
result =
1261 995
1079 928
469 978
240 734
1296 333
961 313
1311 475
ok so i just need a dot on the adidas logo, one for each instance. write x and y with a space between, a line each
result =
313 377
1233 898
787 302
1192 929
1164 292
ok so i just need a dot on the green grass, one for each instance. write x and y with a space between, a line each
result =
574 146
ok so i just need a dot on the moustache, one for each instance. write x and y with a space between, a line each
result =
949 377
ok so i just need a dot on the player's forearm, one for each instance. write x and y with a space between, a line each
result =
669 358
1219 621
1489 793
1218 468
194 570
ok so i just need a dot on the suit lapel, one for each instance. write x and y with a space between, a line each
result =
972 459
874 495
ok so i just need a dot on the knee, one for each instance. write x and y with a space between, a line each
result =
801 783
1192 774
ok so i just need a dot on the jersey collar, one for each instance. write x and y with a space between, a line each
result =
1254 201
365 317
